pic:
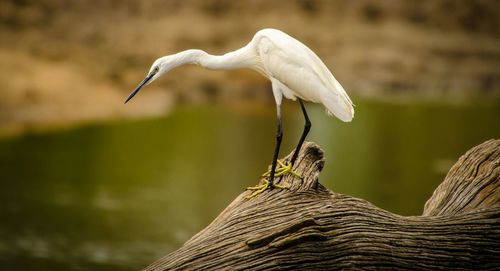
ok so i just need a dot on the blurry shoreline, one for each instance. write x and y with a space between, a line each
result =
42 126
64 63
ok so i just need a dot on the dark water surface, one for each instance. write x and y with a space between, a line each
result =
118 196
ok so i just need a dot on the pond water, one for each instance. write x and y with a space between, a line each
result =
117 196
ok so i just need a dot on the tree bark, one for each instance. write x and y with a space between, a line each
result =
308 227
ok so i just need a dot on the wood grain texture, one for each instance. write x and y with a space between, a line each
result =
471 184
309 227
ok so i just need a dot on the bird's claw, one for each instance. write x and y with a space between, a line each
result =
262 187
281 170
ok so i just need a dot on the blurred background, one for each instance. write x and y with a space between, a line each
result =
88 183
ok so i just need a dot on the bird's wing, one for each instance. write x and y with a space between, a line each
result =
303 73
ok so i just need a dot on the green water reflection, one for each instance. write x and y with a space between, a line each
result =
120 195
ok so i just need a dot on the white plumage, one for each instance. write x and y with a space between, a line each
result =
300 72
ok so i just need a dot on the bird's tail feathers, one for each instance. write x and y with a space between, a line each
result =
340 106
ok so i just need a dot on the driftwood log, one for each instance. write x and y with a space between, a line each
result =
309 227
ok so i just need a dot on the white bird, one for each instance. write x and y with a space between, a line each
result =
294 70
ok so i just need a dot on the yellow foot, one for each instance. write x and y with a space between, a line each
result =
281 170
262 187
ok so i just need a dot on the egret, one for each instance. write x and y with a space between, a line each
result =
294 70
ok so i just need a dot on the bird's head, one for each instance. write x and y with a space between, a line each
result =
159 67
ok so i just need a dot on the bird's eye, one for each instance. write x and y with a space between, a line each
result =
156 69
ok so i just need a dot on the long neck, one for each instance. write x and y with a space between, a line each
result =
241 58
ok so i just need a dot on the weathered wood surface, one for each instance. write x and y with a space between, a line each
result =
309 227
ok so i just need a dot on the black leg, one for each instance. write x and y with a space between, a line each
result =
279 136
307 127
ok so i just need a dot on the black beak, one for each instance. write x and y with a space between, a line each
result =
140 86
